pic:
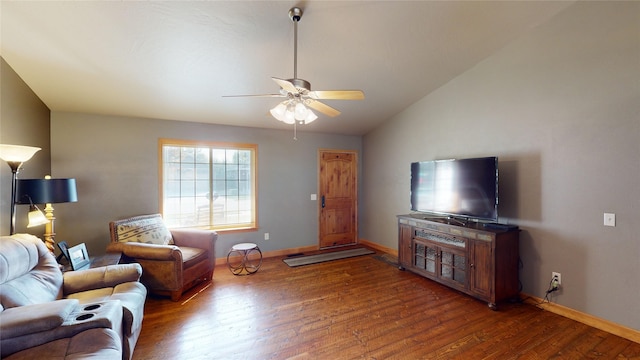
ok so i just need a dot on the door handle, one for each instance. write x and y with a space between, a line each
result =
323 201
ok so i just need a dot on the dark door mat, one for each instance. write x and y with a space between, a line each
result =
314 259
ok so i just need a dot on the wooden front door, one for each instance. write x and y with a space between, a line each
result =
338 198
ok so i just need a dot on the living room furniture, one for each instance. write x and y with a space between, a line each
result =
244 259
474 259
44 313
173 260
96 343
15 156
110 258
47 191
98 261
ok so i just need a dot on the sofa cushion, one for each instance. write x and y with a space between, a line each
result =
27 274
95 344
192 256
149 229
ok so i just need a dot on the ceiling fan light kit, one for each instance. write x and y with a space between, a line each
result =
296 109
291 111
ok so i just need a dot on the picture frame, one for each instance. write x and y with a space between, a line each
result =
64 250
79 257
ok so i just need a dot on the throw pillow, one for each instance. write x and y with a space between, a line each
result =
148 231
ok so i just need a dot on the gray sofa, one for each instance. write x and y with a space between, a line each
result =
45 313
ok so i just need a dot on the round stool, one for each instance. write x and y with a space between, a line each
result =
244 257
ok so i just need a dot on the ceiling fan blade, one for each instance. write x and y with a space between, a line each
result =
286 85
337 94
257 95
323 108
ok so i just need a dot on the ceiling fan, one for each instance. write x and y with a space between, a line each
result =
298 92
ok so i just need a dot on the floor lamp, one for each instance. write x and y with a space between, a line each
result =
47 191
15 156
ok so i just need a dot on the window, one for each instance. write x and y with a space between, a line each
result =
208 185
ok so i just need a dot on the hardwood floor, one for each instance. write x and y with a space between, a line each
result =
357 308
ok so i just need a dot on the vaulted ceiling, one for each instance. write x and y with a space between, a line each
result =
177 59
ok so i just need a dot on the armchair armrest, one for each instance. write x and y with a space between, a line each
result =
100 277
196 238
146 251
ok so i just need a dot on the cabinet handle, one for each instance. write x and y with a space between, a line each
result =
472 265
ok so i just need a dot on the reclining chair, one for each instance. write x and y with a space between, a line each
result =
45 313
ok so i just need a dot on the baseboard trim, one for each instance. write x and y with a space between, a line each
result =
378 247
275 253
596 322
285 252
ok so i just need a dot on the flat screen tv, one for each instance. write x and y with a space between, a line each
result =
460 188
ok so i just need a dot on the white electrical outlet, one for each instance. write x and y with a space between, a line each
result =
266 236
558 276
609 219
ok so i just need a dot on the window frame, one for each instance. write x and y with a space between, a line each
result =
251 226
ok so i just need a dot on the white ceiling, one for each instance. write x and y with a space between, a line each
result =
175 60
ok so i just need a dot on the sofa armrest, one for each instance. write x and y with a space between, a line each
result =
108 314
196 238
28 319
146 251
100 277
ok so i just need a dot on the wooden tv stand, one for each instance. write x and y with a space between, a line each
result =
475 260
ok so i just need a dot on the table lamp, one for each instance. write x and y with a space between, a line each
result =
47 191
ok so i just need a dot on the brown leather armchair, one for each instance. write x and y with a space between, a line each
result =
173 260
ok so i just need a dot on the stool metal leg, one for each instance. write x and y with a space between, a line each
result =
253 260
235 261
240 261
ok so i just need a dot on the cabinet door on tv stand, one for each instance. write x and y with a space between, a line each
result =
404 246
481 269
425 258
453 267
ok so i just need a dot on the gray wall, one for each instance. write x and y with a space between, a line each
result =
560 108
115 163
24 120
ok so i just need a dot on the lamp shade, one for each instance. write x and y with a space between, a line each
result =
17 153
310 117
36 217
278 111
46 191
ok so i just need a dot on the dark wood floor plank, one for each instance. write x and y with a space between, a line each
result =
632 351
357 308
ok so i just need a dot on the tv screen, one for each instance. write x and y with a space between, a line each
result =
459 188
